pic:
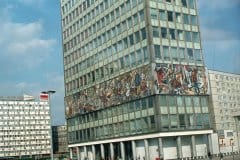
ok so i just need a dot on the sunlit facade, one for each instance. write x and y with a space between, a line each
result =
24 128
225 89
135 81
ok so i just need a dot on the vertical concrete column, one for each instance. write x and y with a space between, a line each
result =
122 150
146 149
160 148
209 143
93 153
179 147
134 149
85 152
78 153
102 151
193 143
71 153
112 151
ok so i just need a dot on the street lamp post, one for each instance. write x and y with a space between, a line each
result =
232 143
50 111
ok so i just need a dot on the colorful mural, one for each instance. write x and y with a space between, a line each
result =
131 85
180 79
145 81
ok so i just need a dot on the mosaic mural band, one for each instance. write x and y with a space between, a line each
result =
181 79
142 82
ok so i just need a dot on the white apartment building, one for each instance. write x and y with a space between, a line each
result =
24 127
225 88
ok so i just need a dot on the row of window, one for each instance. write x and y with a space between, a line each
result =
106 36
112 49
167 105
142 125
178 54
171 16
227 78
139 125
184 3
104 21
129 61
140 104
176 34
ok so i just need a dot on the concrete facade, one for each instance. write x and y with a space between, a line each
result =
135 81
24 127
225 88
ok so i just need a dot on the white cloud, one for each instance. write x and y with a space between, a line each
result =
30 46
24 41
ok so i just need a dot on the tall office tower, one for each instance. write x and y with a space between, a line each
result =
135 82
225 89
24 127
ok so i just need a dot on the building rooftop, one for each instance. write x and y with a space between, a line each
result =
17 98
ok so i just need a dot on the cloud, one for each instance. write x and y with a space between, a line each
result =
24 41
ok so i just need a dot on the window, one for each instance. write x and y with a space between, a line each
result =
162 15
170 16
145 54
180 35
141 15
121 63
164 122
137 36
193 20
157 51
131 40
153 13
188 37
155 31
184 3
164 32
197 55
133 58
196 37
124 25
185 19
144 34
174 121
135 19
191 4
190 54
166 53
127 61
117 12
139 57
172 34
178 17
174 53
129 22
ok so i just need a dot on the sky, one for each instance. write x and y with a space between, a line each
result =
31 46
